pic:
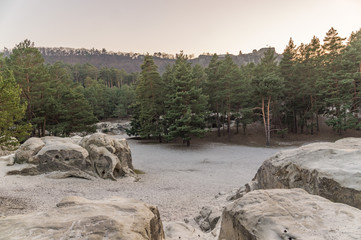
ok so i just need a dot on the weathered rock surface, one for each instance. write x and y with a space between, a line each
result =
94 155
79 218
111 158
113 127
208 218
331 170
28 150
289 214
183 231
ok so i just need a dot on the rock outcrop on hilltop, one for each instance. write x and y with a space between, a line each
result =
96 155
330 170
289 214
79 218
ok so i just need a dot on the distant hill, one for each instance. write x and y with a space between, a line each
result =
131 62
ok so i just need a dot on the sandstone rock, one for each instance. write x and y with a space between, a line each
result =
208 218
111 158
289 214
180 230
331 170
79 218
28 150
94 155
61 154
112 127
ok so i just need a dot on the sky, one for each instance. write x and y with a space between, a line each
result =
194 26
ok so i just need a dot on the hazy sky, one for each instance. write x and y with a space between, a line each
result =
195 26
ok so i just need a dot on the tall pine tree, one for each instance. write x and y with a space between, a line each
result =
187 104
150 97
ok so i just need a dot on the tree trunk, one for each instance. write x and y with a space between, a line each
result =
295 120
264 121
218 123
228 118
244 128
223 125
268 122
237 125
188 143
43 128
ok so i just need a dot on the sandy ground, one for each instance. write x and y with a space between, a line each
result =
179 180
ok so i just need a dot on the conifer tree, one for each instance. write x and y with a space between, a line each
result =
288 71
150 97
337 102
229 75
268 86
213 90
12 111
187 104
31 74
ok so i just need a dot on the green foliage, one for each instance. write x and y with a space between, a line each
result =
187 105
150 98
311 80
12 131
31 74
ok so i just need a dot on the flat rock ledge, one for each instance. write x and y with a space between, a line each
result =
96 155
330 170
79 218
290 214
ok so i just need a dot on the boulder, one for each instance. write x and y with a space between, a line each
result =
79 218
289 214
111 158
88 157
181 230
331 170
28 150
60 154
207 218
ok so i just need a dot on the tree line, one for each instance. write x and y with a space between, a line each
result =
58 99
287 96
311 80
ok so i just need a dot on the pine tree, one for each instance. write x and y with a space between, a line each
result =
11 111
31 74
228 76
187 104
213 90
288 68
150 96
75 113
337 102
268 86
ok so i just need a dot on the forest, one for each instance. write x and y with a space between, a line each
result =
312 80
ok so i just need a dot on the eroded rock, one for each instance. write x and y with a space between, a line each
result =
88 157
111 158
290 214
28 150
208 218
331 170
79 218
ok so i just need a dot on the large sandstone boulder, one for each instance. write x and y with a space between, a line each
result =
88 157
331 170
111 158
79 218
28 150
289 214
